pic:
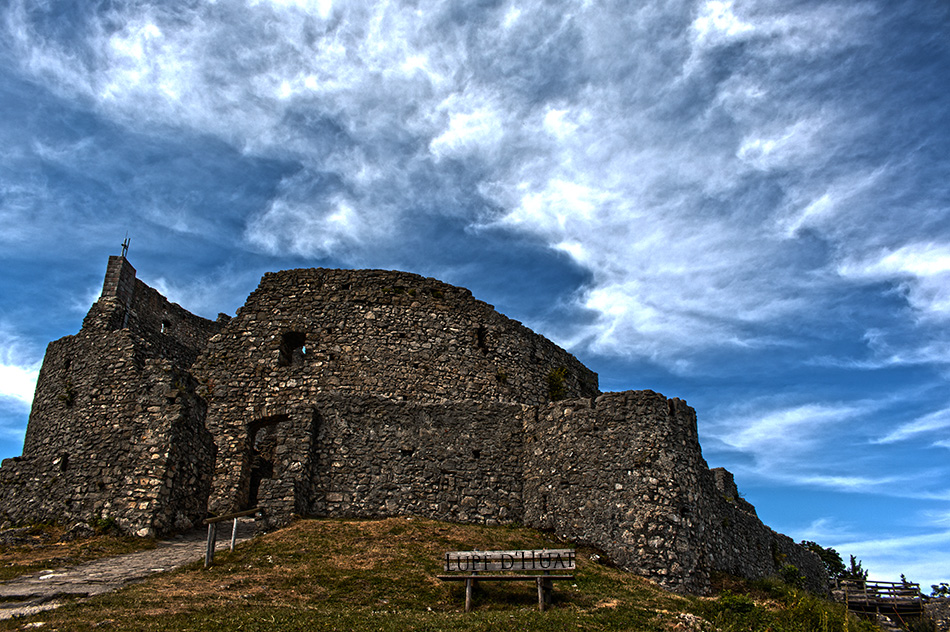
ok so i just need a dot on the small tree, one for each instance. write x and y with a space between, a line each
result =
829 557
856 572
940 590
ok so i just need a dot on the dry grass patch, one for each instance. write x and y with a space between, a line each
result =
48 546
380 575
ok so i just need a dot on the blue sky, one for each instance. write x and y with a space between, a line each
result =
742 204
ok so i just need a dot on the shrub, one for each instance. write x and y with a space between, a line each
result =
103 524
736 603
557 390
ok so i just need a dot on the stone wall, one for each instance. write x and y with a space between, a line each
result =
938 610
460 461
116 429
391 334
162 329
622 474
369 332
371 393
625 473
127 443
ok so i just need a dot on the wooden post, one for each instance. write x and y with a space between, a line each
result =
234 534
212 536
548 589
540 583
468 594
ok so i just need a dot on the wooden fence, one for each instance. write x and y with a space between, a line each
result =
887 598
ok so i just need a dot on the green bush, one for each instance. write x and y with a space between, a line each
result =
792 576
736 603
557 389
103 524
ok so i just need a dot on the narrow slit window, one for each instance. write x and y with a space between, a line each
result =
481 339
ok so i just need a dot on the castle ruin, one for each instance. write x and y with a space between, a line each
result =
369 393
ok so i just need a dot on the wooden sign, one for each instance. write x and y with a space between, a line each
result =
536 560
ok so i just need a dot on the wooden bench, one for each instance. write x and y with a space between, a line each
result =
542 561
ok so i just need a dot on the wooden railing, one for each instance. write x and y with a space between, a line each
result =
882 597
213 530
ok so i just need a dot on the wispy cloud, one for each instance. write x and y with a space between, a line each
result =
923 558
796 429
211 293
936 518
802 445
827 530
688 210
926 424
922 269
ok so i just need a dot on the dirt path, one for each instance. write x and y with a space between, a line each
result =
47 589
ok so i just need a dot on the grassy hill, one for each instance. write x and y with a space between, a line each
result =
380 575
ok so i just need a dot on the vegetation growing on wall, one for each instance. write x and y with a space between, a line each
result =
557 388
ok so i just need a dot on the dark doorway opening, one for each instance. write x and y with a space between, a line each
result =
263 438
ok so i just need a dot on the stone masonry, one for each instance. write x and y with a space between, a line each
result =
369 393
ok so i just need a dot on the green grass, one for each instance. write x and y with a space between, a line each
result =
380 575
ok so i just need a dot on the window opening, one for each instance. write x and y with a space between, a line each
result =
481 339
293 348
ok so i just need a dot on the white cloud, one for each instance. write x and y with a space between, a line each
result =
897 353
923 269
859 484
19 369
936 518
18 382
473 127
718 21
797 145
830 209
320 228
923 558
679 170
927 424
801 446
826 530
218 291
797 428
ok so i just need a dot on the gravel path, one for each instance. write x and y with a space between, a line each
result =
47 589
